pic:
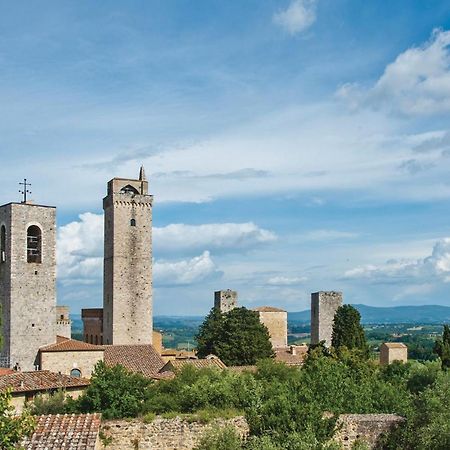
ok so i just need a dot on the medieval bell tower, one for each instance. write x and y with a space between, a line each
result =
127 285
27 282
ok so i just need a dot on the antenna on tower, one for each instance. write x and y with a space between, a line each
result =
25 191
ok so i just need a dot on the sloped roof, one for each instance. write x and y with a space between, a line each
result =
285 355
177 364
39 380
268 309
240 369
394 345
142 359
64 344
71 432
6 371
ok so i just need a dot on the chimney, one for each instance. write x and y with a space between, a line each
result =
293 350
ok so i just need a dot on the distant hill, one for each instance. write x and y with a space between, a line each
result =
391 314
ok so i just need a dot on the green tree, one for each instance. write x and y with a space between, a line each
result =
238 337
347 330
13 428
442 348
115 392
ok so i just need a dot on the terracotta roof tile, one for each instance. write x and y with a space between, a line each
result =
240 369
71 432
177 364
394 345
66 345
5 371
142 359
268 309
39 380
285 355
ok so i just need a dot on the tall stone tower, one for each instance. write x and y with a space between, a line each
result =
127 285
225 301
323 309
27 282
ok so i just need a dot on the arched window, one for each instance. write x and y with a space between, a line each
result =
133 222
34 244
75 373
128 189
3 244
96 339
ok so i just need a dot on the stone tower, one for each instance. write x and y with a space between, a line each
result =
27 282
225 301
127 285
323 309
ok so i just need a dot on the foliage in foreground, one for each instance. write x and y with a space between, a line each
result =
13 428
442 348
285 406
237 337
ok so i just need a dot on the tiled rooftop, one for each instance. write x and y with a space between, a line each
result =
177 364
69 432
39 380
286 355
142 359
268 309
394 345
64 344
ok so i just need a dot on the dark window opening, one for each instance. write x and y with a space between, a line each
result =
128 189
62 316
96 340
34 244
92 339
3 244
133 222
75 373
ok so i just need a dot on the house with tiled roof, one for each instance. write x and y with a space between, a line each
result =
67 431
24 386
393 351
71 357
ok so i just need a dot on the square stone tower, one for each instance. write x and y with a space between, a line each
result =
27 282
275 319
323 309
225 300
127 285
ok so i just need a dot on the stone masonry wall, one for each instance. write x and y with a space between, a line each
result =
323 309
127 303
162 434
364 427
28 289
225 301
276 323
64 362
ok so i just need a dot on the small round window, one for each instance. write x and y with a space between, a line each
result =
75 373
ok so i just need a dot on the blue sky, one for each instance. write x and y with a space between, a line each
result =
291 145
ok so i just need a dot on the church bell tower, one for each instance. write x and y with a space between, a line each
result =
127 285
27 282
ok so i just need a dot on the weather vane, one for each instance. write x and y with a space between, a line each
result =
25 191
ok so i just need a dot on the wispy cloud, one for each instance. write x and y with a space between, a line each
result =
297 17
286 281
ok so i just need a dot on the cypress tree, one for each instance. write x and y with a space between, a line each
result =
347 330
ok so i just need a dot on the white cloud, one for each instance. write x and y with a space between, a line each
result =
286 281
215 236
297 17
199 268
80 248
433 267
416 83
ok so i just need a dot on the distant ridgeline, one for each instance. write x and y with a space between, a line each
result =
395 314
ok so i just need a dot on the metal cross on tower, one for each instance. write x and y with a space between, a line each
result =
25 191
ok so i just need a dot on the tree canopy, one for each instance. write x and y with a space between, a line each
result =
237 337
347 330
442 348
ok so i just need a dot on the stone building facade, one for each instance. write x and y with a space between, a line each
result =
63 323
323 308
127 292
393 351
225 300
27 282
92 325
275 320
